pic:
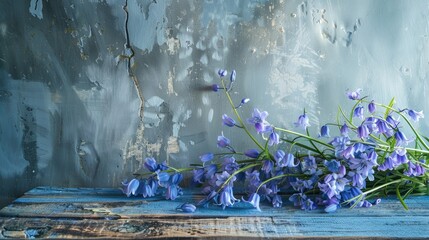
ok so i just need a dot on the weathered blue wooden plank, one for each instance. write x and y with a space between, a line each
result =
115 211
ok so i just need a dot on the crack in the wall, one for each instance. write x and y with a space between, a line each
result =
128 56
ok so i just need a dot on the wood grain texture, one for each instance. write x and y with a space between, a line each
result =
107 213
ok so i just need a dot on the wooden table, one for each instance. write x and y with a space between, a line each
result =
50 212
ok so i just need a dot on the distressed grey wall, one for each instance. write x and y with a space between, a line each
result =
76 76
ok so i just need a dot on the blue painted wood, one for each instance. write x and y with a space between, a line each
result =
104 208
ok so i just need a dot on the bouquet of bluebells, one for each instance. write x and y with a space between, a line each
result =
369 157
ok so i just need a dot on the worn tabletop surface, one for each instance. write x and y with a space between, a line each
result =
49 212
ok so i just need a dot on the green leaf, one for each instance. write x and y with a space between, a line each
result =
398 194
391 103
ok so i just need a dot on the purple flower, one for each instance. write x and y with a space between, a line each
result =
331 208
222 72
371 107
415 170
415 115
401 140
324 131
258 119
215 87
358 112
206 157
198 175
303 121
187 208
212 195
309 165
398 157
308 205
285 160
228 121
254 199
130 188
276 200
384 128
298 199
344 130
364 165
301 185
274 138
226 197
244 100
252 153
230 165
210 171
355 94
363 131
267 166
163 178
392 121
332 165
151 164
223 142
233 76
333 184
221 178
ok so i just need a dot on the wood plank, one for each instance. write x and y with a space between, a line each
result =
245 227
107 213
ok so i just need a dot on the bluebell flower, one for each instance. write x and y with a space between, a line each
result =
252 179
221 178
384 128
287 160
400 156
206 157
298 199
198 175
243 101
348 152
267 166
371 123
331 208
357 179
392 121
333 184
344 130
371 107
230 165
324 131
309 165
358 112
151 164
228 121
216 87
354 95
332 165
274 138
173 190
187 208
130 188
252 153
365 164
308 205
163 178
222 72
233 76
415 170
226 197
303 121
350 193
340 144
258 120
415 115
301 185
401 139
388 164
222 142
254 200
277 201
363 131
210 171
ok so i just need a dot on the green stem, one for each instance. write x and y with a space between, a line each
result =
304 136
238 116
